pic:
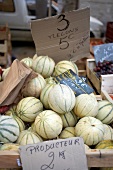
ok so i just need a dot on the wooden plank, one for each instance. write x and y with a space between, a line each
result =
100 158
105 96
95 158
4 47
90 64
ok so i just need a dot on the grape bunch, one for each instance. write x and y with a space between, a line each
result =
103 68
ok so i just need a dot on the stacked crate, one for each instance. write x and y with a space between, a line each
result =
5 46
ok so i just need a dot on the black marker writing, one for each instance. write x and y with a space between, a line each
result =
51 165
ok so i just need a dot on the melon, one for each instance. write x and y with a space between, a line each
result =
12 112
28 61
68 132
9 129
28 108
108 132
10 146
105 144
28 137
43 65
63 66
105 111
34 87
69 119
90 129
61 99
48 124
44 95
86 105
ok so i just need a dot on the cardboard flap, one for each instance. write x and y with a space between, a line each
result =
10 87
62 154
63 37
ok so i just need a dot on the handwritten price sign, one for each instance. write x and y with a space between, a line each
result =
64 36
62 154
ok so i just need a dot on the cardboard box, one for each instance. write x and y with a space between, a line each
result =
104 83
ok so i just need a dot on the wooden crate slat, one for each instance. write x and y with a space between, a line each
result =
95 158
4 47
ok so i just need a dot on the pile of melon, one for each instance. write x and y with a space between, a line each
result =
49 110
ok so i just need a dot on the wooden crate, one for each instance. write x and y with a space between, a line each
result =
95 158
5 46
104 83
107 96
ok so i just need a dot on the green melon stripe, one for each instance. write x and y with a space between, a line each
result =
25 116
22 138
37 63
73 116
110 121
43 65
5 119
107 114
110 131
100 130
71 98
30 106
49 67
57 105
84 108
64 98
66 120
4 137
35 82
26 103
50 127
32 138
45 130
10 125
7 130
39 125
44 93
105 106
69 131
27 135
40 82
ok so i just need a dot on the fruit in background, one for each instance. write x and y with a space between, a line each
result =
61 99
34 87
28 137
105 111
68 132
86 105
9 129
28 61
3 109
90 129
63 66
103 68
43 65
105 144
28 108
48 124
10 147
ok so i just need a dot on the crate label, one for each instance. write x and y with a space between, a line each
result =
76 83
103 52
61 154
63 37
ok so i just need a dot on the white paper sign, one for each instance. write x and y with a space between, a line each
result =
62 154
64 36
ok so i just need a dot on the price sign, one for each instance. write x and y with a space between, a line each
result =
76 83
65 36
62 154
103 52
